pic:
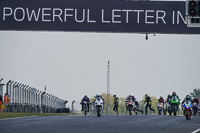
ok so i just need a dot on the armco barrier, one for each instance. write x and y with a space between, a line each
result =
27 99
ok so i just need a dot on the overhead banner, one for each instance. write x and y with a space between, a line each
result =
167 17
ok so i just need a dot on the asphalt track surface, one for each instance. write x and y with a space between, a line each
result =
104 124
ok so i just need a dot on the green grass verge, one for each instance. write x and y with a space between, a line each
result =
4 115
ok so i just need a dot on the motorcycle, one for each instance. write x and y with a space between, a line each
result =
131 107
174 104
99 106
168 108
160 108
195 108
85 107
199 112
187 107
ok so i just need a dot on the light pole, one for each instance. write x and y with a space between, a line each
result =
108 87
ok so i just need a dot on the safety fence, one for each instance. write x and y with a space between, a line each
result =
1 87
27 99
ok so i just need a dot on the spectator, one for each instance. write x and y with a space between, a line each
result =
6 98
1 103
116 104
148 101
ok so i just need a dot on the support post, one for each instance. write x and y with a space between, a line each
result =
108 88
73 107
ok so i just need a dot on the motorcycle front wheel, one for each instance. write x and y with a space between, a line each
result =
159 111
130 110
195 111
85 111
187 115
98 111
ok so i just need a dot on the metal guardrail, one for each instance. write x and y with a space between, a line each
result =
1 87
24 98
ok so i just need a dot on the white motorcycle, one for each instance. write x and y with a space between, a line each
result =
131 106
160 108
98 106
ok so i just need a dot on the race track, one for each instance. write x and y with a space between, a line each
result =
104 124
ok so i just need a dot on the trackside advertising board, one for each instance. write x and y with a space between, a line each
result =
167 17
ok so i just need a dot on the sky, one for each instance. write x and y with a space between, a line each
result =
74 64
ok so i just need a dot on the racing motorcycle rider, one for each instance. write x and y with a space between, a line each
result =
116 104
195 107
168 99
85 98
130 96
168 102
161 100
196 100
187 99
174 94
175 102
148 101
137 106
129 99
99 95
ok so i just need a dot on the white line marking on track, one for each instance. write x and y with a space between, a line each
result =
196 131
17 117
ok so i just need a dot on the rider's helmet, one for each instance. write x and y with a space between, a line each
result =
161 97
114 95
168 96
187 97
98 94
85 96
174 93
130 95
146 95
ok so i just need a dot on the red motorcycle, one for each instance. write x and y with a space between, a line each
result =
187 107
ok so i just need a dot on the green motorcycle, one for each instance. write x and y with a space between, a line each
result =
174 104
